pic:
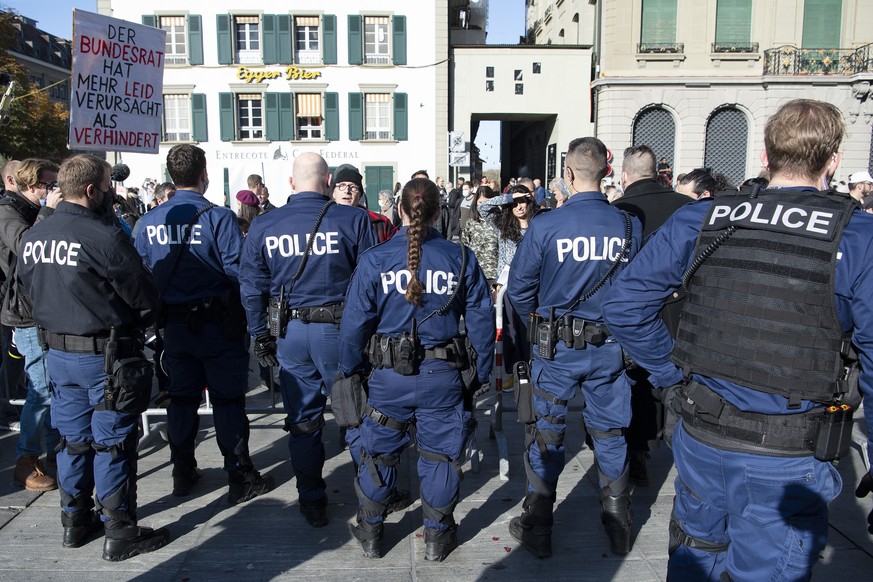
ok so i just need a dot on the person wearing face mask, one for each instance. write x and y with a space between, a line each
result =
193 248
92 299
467 196
33 201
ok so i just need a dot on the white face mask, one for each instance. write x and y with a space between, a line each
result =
466 191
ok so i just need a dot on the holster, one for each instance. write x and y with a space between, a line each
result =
347 399
524 395
128 386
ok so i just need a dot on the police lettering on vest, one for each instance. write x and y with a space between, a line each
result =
774 216
294 245
590 248
436 282
173 234
58 252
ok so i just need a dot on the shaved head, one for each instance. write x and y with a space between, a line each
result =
310 173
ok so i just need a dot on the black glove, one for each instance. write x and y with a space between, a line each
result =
265 351
483 389
864 488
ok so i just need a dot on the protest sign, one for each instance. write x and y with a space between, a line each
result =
118 81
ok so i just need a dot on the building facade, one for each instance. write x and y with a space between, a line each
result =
697 79
46 57
364 83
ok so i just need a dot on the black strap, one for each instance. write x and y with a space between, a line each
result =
178 254
462 282
311 240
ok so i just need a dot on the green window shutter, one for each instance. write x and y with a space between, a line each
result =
331 116
226 117
401 122
284 39
659 22
287 120
150 20
733 22
356 116
386 182
821 24
372 175
398 39
356 40
198 117
225 46
271 49
226 188
271 115
328 36
195 39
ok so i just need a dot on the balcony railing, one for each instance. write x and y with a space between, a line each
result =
789 60
734 47
661 47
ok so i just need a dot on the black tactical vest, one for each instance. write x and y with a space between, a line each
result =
760 310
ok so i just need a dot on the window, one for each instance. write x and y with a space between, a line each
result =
537 68
518 75
489 72
309 118
247 36
733 24
821 24
377 116
306 40
376 40
519 88
250 116
176 47
489 85
655 128
177 118
727 138
658 32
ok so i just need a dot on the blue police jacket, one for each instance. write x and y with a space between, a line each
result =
631 311
84 275
377 303
208 266
565 253
276 243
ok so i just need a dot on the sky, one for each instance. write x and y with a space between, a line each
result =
505 24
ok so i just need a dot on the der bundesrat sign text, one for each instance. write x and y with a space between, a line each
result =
118 78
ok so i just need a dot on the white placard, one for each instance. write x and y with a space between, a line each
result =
456 142
459 160
117 86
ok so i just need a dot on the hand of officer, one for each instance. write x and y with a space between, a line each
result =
864 488
265 351
53 198
483 389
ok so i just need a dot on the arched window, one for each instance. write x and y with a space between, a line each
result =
727 140
656 128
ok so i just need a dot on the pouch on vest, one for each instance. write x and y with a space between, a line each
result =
347 399
524 396
129 388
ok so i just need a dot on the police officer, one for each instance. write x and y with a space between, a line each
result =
562 272
304 253
85 279
193 249
779 284
406 299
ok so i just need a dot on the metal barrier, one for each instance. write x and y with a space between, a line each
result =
496 430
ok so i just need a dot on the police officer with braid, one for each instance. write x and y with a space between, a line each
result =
562 271
302 256
194 248
761 380
93 297
405 302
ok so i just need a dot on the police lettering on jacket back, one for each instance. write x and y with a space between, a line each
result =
778 215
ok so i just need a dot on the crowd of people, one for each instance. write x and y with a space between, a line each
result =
729 320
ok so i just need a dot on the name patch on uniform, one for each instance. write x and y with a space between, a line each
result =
294 245
173 234
774 216
57 252
590 248
436 282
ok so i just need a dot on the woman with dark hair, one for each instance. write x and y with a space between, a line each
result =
405 301
248 209
481 237
698 183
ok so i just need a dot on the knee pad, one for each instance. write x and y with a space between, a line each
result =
542 438
185 400
381 460
239 401
441 515
303 428
370 508
679 537
74 448
605 434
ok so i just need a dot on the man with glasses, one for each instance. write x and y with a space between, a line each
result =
36 197
349 191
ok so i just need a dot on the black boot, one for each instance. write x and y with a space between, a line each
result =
315 512
78 527
615 512
533 529
245 485
126 540
184 479
369 535
438 544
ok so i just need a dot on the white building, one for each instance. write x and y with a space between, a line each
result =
362 82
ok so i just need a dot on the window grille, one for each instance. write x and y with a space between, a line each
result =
727 136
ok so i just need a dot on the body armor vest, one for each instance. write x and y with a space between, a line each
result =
761 310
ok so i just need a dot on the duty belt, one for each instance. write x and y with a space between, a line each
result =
380 345
75 344
179 312
318 314
712 420
575 332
